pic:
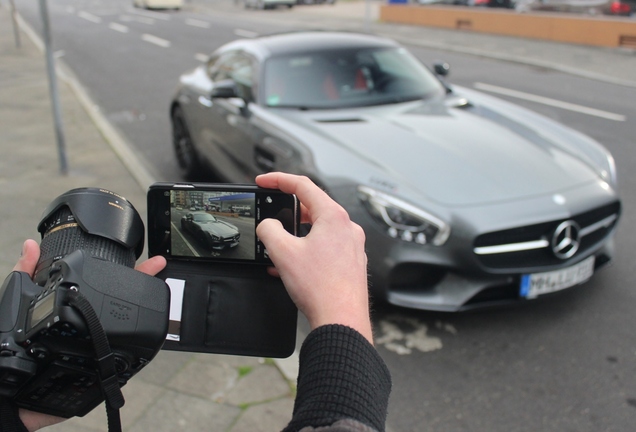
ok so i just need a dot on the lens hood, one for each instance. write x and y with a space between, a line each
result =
102 213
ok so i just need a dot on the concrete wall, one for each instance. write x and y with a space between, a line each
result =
572 28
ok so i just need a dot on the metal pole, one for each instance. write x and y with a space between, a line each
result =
50 67
16 31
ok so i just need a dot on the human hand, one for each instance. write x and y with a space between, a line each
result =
27 262
325 272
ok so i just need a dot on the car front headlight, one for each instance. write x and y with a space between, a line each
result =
403 220
609 174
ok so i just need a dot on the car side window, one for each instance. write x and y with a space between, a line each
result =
219 68
239 68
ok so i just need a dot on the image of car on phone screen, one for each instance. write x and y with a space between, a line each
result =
210 231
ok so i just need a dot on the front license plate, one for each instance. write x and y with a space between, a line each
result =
535 284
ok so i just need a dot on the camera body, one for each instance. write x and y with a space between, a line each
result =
48 360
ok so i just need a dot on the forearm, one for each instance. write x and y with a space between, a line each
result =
342 379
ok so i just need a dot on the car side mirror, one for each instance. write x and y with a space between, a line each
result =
441 68
225 89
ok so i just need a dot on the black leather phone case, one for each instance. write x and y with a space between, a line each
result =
234 309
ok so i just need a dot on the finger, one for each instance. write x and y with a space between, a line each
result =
152 266
29 257
304 214
272 271
314 198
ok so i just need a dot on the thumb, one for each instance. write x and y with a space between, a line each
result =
152 266
274 236
29 257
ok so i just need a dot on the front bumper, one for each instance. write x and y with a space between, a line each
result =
454 291
456 277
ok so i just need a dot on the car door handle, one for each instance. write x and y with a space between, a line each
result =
205 101
264 160
270 145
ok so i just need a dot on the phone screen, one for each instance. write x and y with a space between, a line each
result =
215 222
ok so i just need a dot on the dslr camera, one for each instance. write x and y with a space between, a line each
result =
88 321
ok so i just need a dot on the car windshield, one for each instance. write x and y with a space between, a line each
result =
203 217
347 78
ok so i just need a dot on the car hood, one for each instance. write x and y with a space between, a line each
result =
455 152
219 228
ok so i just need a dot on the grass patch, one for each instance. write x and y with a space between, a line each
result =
244 370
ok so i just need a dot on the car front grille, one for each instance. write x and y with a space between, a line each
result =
530 246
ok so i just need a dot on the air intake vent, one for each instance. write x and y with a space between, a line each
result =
340 120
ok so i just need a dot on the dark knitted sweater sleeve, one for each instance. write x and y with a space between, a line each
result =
341 377
9 418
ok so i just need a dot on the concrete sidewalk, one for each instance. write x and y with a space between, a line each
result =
177 391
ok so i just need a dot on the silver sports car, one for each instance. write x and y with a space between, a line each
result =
210 231
466 200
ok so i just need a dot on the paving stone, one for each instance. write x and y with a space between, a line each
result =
177 412
268 417
263 383
206 380
164 367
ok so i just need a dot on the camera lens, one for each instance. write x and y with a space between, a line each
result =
64 236
99 222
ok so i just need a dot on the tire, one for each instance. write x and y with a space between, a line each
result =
187 156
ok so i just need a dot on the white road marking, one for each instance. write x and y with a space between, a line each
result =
118 27
59 53
176 230
155 40
197 23
245 33
202 57
89 17
551 102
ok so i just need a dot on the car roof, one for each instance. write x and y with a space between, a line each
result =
305 42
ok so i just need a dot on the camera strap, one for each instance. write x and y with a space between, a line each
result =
105 359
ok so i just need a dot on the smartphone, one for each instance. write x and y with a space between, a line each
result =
215 222
220 301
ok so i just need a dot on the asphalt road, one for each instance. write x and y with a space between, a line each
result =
565 363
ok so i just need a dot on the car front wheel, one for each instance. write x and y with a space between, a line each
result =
186 153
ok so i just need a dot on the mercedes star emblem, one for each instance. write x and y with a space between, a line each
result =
566 239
